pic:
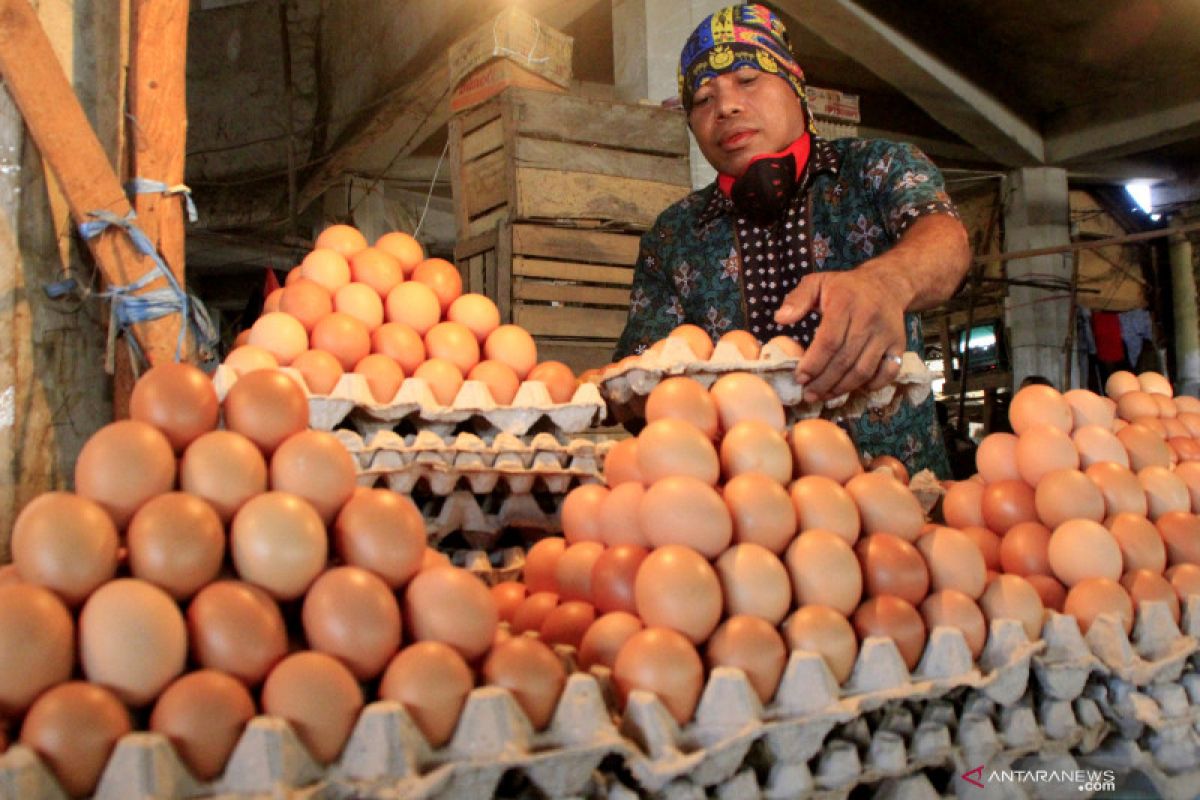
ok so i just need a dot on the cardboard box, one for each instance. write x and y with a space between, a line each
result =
518 37
493 78
834 105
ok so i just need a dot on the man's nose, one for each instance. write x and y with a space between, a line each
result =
729 102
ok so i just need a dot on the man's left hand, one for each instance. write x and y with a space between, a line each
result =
862 322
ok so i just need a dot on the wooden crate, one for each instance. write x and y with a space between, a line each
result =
527 155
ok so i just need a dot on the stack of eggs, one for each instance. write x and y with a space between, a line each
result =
1094 500
386 312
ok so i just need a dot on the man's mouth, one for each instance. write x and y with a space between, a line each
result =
736 139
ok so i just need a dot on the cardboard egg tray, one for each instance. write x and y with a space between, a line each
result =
481 519
414 403
626 387
448 463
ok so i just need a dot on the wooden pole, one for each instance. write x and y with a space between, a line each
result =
64 137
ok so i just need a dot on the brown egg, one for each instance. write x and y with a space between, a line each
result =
382 531
178 399
1180 531
236 628
432 681
962 505
451 605
246 358
996 458
320 370
1189 473
684 510
400 343
351 614
1092 597
822 448
754 446
605 638
664 663
376 268
532 673
508 596
619 521
754 583
988 543
1037 404
621 464
1067 494
677 588
442 277
266 407
788 346
613 577
530 615
512 345
1154 424
892 566
74 728
225 469
558 378
761 510
404 248
573 572
344 337
741 396
892 464
827 633
65 543
822 503
682 398
307 302
1097 444
1122 491
1141 545
444 379
132 639
752 645
567 623
123 465
343 239
1043 449
319 697
316 466
453 342
1145 586
271 303
1081 549
672 447
1006 504
1145 447
1165 491
1166 407
278 542
501 381
745 342
1136 404
176 542
697 339
895 619
203 714
1013 597
1185 579
413 304
476 312
885 505
37 645
383 376
953 609
1089 408
1052 593
824 571
1190 420
1024 550
1120 382
540 563
954 561
581 513
281 335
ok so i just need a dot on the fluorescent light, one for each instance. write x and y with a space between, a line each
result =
1140 192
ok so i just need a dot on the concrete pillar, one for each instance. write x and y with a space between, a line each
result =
647 38
1036 214
1187 324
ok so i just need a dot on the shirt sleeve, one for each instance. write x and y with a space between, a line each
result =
651 300
907 186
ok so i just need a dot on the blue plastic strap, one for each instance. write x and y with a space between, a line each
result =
147 186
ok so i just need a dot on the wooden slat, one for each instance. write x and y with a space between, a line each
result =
581 119
570 293
483 184
476 244
570 320
474 118
576 245
482 225
544 154
482 141
503 271
454 132
579 356
565 270
554 194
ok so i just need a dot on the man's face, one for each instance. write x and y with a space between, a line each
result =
742 114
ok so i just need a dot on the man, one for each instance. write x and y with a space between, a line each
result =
834 243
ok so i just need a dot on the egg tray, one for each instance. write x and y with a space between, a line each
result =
414 403
447 464
1179 781
464 512
626 386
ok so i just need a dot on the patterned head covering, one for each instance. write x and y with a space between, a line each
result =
750 35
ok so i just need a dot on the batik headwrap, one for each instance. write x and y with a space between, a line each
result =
739 36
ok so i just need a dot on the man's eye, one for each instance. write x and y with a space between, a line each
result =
699 101
747 76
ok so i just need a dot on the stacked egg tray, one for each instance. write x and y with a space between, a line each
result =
1067 702
414 406
626 386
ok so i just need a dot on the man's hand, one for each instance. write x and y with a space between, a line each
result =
862 322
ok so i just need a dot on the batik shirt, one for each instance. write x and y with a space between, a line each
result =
702 262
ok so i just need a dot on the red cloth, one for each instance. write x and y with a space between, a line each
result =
1106 327
270 284
799 149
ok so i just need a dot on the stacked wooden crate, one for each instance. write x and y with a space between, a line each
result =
552 193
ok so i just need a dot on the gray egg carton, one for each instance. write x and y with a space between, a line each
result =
462 512
414 402
1171 765
506 564
627 386
446 463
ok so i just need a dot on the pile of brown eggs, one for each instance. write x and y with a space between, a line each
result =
387 312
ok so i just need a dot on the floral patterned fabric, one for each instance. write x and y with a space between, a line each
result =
856 199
